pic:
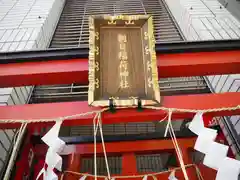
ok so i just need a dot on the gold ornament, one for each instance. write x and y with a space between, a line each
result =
146 50
145 36
150 82
129 22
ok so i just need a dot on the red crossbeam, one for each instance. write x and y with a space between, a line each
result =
76 70
54 110
128 151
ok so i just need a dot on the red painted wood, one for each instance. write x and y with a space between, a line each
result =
201 63
207 173
25 161
163 176
38 166
187 160
128 149
76 70
54 110
74 164
143 146
45 72
129 164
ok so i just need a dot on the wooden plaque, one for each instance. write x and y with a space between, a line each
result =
122 61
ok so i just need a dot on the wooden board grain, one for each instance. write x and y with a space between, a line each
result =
122 61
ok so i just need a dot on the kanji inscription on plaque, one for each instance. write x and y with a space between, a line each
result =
122 61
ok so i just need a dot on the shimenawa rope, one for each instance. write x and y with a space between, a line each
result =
105 109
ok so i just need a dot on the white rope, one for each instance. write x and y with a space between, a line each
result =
103 145
168 128
131 176
200 177
14 152
15 136
70 117
173 137
95 126
96 123
179 154
176 146
99 123
168 122
95 145
163 119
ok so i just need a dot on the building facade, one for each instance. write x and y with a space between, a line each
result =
41 24
24 25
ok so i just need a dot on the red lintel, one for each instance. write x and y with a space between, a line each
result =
76 70
54 110
129 150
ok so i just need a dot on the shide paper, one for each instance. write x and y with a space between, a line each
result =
197 124
228 169
51 175
205 139
53 159
172 176
52 140
215 155
47 175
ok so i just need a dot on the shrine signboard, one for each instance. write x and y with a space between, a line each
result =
122 61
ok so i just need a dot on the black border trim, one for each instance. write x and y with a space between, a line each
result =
71 53
115 138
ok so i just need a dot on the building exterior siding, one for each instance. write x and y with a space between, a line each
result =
209 20
24 25
30 24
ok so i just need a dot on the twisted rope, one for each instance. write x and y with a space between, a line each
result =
135 176
70 117
14 151
176 146
234 108
97 123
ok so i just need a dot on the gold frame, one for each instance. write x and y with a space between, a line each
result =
94 66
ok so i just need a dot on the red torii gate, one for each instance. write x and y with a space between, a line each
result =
69 69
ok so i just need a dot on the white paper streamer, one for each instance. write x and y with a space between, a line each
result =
215 155
205 139
50 175
52 140
68 149
53 160
172 176
197 124
47 175
228 169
